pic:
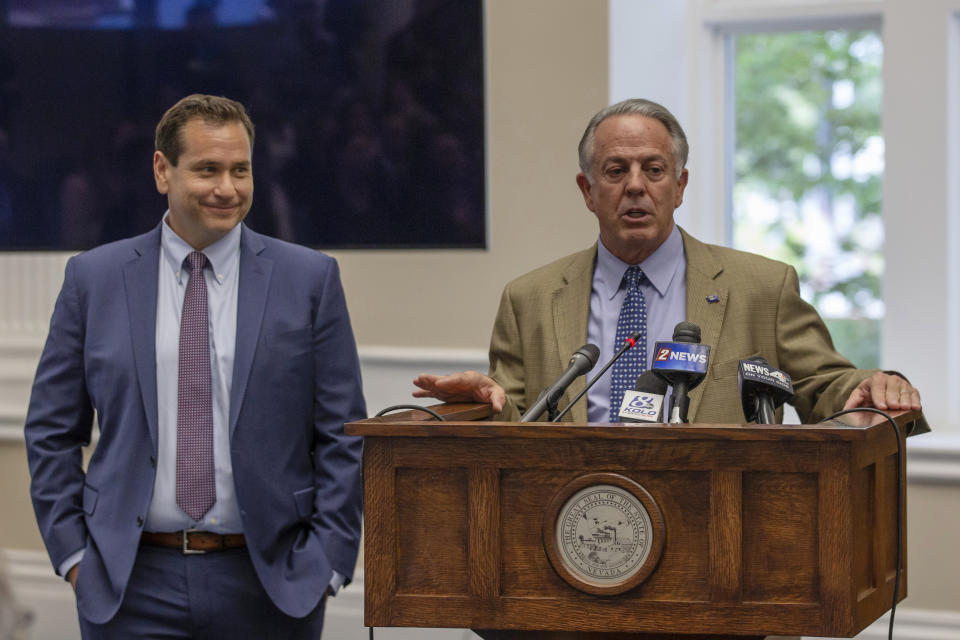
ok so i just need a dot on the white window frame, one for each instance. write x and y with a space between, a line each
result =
921 195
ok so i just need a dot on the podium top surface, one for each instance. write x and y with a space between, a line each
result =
469 421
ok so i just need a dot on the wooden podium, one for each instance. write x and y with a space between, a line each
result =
750 530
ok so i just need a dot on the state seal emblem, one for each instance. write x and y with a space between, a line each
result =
603 533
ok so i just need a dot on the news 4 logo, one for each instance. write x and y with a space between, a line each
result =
759 372
686 356
639 405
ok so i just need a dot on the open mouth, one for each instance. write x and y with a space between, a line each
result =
635 214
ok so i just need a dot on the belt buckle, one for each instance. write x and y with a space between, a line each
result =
185 536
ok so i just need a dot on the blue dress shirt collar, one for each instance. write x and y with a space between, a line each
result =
223 255
660 267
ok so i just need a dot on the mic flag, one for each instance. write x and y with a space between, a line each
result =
674 361
683 364
763 388
645 402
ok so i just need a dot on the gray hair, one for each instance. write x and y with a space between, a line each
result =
637 107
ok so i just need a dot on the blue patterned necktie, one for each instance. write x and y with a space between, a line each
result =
196 489
633 319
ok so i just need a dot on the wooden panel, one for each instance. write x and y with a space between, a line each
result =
886 509
873 603
780 537
836 541
487 634
432 531
867 547
683 572
595 455
595 613
726 557
483 532
379 531
526 571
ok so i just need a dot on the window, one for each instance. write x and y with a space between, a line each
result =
807 171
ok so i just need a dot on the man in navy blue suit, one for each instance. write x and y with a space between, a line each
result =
223 497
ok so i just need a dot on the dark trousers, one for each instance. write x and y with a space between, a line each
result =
216 595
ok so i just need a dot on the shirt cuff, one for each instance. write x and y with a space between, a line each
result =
72 560
336 581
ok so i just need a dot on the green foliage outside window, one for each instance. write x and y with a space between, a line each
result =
808 166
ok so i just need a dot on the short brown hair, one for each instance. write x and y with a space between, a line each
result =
215 110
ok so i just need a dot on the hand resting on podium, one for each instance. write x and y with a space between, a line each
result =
466 386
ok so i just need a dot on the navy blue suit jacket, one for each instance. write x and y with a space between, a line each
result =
296 380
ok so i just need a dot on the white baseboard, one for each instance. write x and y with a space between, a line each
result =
915 624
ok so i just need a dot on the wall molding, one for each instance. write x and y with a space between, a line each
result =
387 371
373 354
38 589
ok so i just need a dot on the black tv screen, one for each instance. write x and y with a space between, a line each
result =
369 116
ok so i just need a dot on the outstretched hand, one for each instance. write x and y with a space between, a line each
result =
884 391
466 386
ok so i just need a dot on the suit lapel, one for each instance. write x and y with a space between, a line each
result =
571 328
254 281
140 285
706 300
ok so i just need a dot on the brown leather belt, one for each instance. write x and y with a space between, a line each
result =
192 541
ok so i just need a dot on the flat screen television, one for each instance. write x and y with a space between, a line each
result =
369 116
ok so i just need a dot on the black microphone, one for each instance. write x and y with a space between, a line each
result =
645 402
683 364
628 344
582 360
762 390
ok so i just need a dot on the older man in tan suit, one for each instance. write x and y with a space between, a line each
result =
633 175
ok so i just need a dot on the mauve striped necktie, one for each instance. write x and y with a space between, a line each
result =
196 491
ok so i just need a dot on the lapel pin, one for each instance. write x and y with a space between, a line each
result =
712 298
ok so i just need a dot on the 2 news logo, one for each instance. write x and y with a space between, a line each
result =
667 354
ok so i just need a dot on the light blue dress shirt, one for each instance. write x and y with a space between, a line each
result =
665 293
222 276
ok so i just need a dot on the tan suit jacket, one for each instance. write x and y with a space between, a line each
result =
758 310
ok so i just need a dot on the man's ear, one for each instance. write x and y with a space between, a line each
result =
587 190
681 186
161 167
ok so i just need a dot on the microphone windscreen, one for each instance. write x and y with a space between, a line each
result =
651 383
591 352
686 332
